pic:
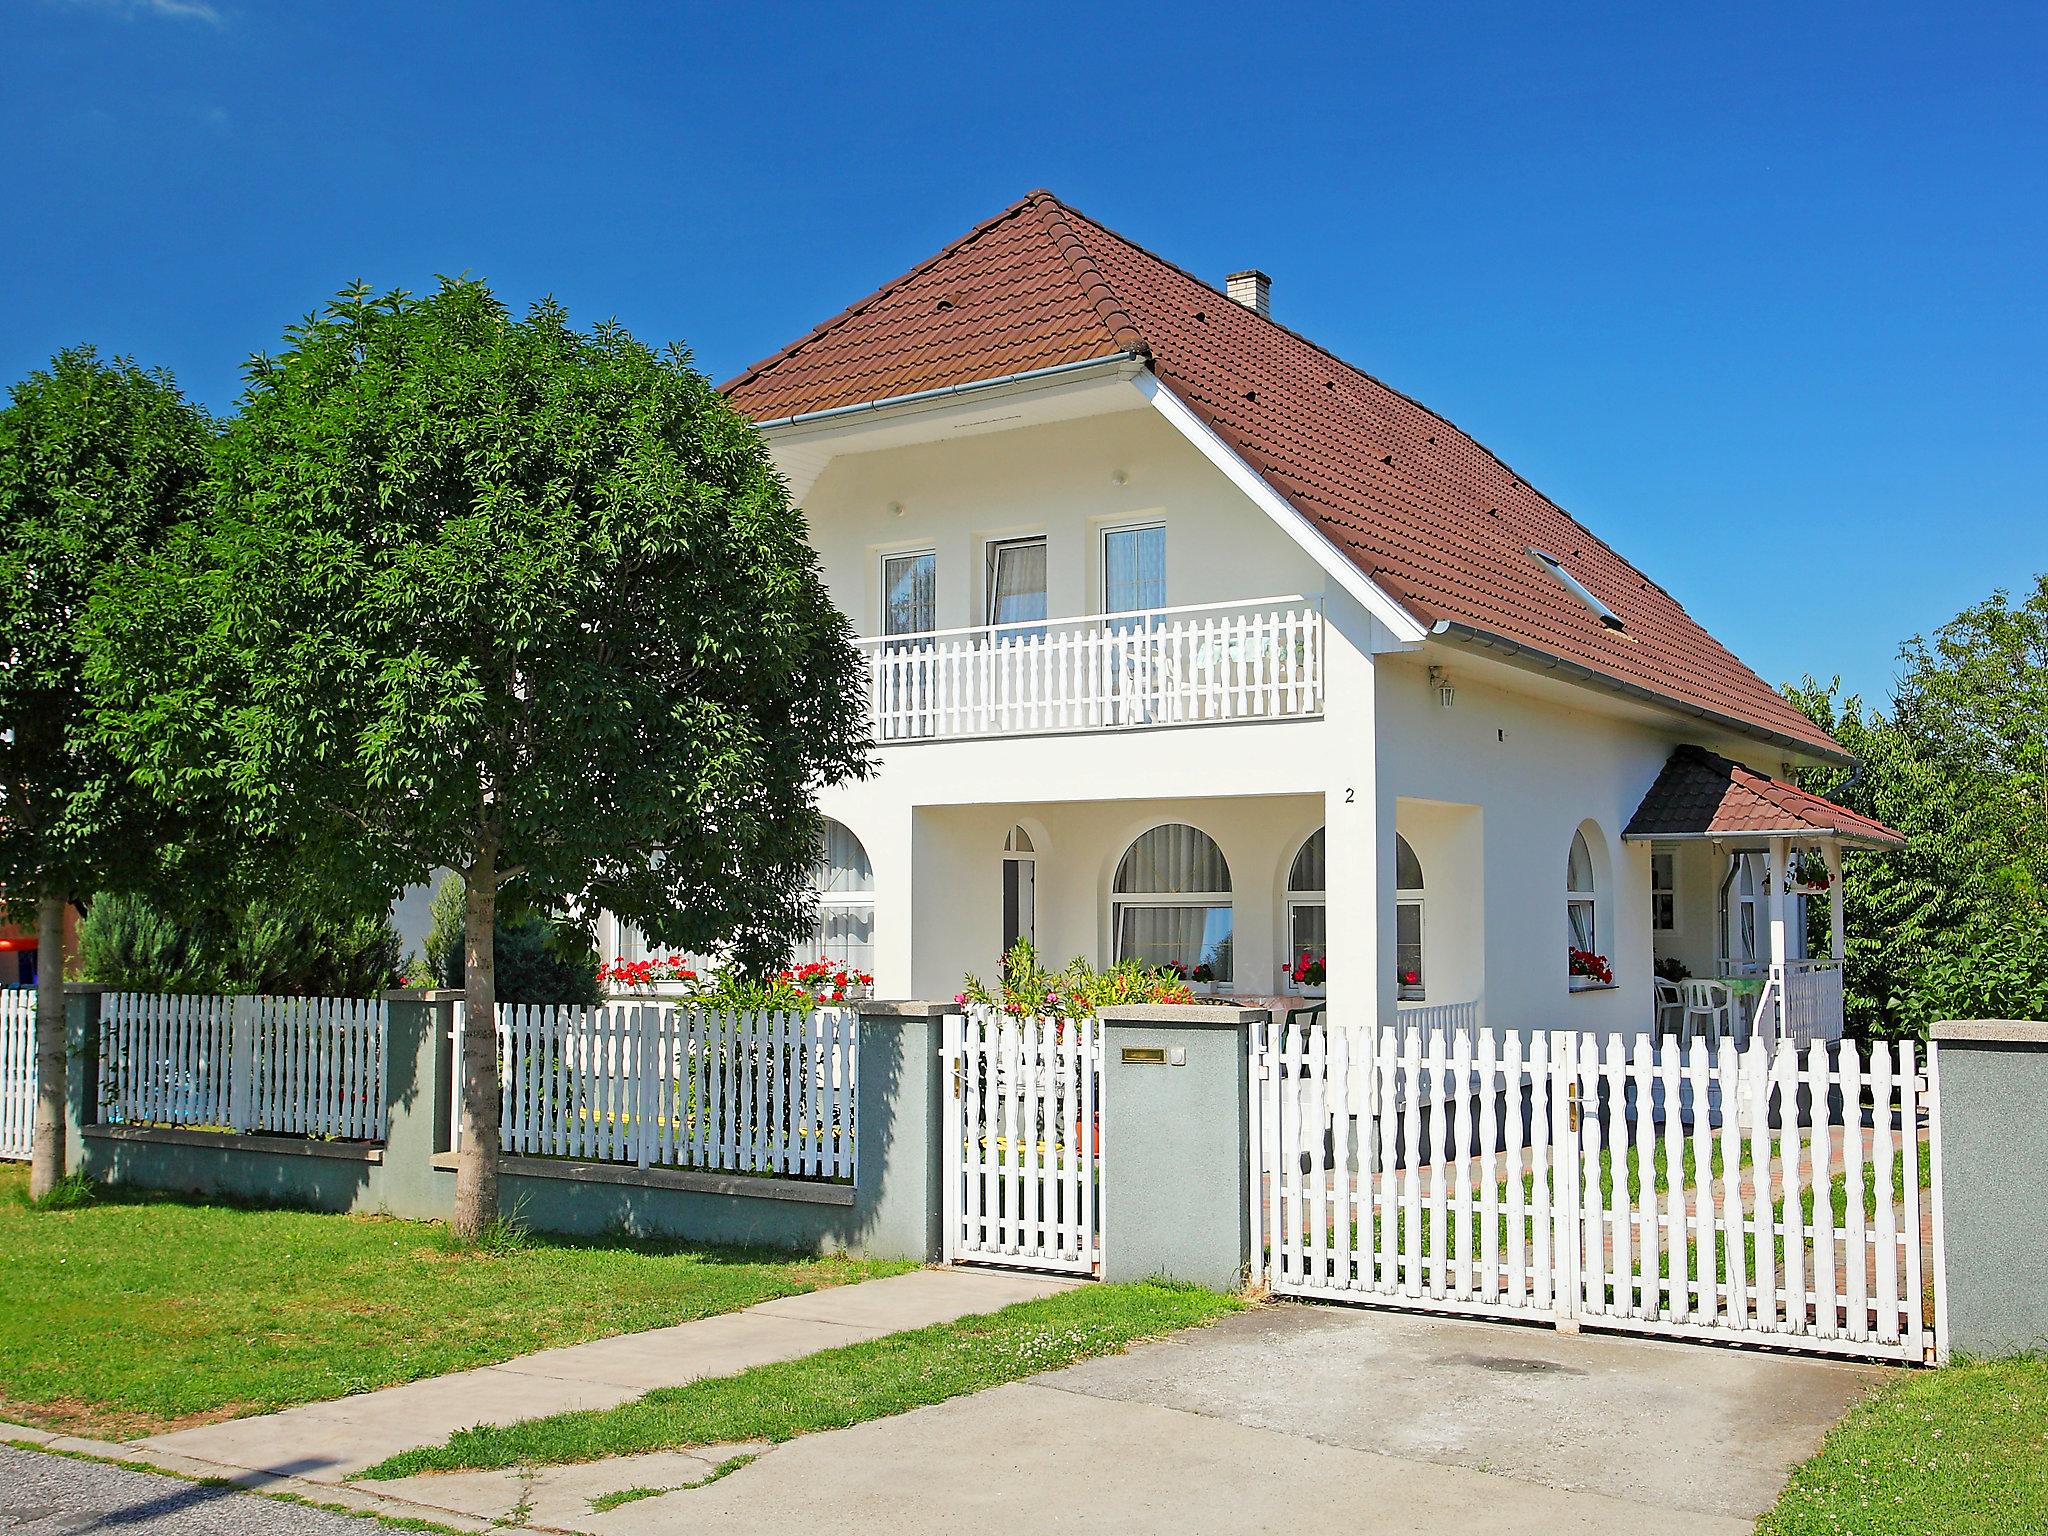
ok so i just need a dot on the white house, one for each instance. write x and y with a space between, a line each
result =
1188 639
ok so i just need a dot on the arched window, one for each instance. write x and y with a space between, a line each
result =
1171 901
845 885
1020 880
1408 983
1308 922
1581 900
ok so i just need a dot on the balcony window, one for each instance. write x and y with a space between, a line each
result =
1171 901
909 593
1016 588
1134 568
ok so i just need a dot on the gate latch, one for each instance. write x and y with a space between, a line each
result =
1571 1099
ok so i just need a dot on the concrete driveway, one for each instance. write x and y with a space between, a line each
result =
1365 1421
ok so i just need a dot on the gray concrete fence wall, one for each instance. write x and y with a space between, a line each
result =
1992 1179
891 1211
1174 1127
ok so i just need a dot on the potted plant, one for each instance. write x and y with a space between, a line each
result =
1307 974
1589 969
1201 980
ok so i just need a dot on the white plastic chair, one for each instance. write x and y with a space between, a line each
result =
1712 1002
1670 1008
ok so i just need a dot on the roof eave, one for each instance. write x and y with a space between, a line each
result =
1825 834
949 391
1529 658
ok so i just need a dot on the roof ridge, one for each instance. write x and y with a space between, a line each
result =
1074 251
755 370
1066 243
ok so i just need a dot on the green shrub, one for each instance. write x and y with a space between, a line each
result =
258 946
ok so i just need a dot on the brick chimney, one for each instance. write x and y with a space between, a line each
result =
1253 289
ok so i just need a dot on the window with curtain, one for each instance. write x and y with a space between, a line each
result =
1016 587
845 885
909 593
1134 569
1580 897
1663 893
1308 921
1170 901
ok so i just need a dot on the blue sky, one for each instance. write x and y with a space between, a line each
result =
1758 294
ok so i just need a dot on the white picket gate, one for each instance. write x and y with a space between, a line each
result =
668 1087
291 1066
17 1072
1772 1194
1023 1142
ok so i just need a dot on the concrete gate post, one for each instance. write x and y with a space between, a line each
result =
1176 1155
1991 1224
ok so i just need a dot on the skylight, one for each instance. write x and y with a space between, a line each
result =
1577 588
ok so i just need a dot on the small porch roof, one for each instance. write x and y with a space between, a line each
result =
1701 794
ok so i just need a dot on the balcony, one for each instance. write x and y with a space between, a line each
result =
1206 665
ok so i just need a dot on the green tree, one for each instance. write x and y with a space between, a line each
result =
1954 924
497 596
97 460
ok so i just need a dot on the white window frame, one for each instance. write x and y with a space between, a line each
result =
1590 900
914 552
1027 855
1303 900
1664 898
845 901
991 554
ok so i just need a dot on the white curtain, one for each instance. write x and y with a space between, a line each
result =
1134 569
1016 584
842 867
1173 860
1190 936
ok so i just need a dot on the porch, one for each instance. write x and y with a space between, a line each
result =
1746 895
1234 891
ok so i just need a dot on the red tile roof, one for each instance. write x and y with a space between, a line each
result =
1700 794
1428 514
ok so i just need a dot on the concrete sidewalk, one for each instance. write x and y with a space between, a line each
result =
328 1442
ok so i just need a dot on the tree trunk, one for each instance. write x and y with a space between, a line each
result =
476 1174
46 1165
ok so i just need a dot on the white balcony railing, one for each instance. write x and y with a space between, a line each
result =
1168 666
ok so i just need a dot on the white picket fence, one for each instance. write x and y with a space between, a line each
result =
1172 666
17 1072
669 1087
1023 1142
289 1066
1773 1194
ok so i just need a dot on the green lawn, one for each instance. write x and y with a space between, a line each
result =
140 1313
838 1387
1962 1449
